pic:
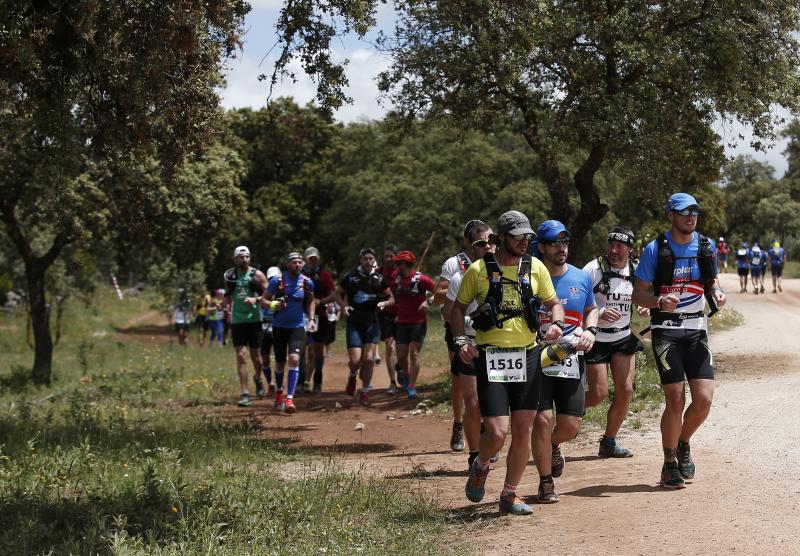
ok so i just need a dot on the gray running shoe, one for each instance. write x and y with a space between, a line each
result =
547 493
685 463
671 477
613 450
244 401
457 438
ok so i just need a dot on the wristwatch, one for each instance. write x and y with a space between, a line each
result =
559 323
592 329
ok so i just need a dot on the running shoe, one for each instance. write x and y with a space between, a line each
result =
513 504
317 389
774 290
402 378
260 392
558 462
547 492
476 483
289 406
685 462
457 438
392 390
271 391
244 401
762 288
363 399
378 359
671 476
412 392
613 450
780 289
280 403
351 386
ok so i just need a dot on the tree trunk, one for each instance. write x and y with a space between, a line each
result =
40 319
592 210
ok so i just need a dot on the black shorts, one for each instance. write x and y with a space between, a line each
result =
287 341
497 398
388 325
181 326
567 395
448 338
682 355
246 334
602 351
266 339
458 367
743 271
407 333
776 270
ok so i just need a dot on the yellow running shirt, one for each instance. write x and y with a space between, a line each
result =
515 331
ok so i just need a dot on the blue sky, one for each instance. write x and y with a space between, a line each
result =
244 90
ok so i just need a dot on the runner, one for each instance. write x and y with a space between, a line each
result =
722 253
562 384
245 285
180 316
267 316
358 294
457 263
743 266
506 360
215 316
756 257
409 289
681 266
291 296
201 313
612 278
464 374
777 258
324 288
388 319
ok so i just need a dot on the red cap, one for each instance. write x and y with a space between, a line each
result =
405 257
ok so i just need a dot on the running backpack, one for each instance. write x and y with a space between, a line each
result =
490 314
665 269
413 287
604 285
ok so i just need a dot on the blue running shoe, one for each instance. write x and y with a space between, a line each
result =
476 483
513 504
412 392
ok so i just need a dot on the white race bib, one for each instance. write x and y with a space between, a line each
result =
756 260
506 364
566 368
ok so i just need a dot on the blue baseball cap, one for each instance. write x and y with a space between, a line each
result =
680 201
549 230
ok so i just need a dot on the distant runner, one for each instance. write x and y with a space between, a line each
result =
324 288
743 266
777 258
215 316
201 311
388 319
757 257
410 289
722 253
681 266
180 315
245 285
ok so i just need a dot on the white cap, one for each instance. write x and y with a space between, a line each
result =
272 272
241 250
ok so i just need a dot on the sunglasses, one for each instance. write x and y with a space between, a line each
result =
480 243
688 212
563 241
520 237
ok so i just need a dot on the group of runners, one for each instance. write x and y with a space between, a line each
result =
752 261
210 314
532 339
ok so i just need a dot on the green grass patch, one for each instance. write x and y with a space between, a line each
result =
125 454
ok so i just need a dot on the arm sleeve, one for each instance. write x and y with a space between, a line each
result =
646 270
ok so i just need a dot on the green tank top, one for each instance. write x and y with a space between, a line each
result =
243 312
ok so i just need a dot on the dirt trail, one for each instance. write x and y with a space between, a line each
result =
744 499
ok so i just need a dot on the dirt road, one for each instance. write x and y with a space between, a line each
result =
744 498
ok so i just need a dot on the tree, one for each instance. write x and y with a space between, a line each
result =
86 89
619 81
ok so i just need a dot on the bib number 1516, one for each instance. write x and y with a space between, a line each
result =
506 365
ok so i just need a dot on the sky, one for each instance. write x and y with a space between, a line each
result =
258 56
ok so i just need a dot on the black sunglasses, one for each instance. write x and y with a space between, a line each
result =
562 241
688 211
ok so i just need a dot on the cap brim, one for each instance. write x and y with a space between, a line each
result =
518 231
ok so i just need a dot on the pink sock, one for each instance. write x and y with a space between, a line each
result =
509 490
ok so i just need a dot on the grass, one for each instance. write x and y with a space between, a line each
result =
124 454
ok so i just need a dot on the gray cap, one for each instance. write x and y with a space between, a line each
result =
514 222
294 255
311 252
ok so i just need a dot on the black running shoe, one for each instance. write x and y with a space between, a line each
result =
260 392
457 438
558 462
685 462
547 493
671 477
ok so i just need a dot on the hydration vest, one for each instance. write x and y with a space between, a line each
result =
413 287
494 297
665 269
280 294
372 280
604 285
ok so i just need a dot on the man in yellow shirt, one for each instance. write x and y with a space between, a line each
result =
508 288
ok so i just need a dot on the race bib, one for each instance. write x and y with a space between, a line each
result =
756 260
506 365
266 327
566 368
219 315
